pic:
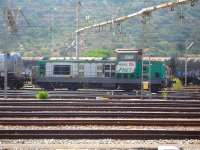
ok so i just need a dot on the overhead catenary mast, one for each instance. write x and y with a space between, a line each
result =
143 12
77 28
11 27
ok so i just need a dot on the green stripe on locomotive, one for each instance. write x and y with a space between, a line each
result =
158 71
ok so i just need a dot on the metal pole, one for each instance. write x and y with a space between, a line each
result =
150 76
142 63
5 71
5 56
186 70
52 36
77 35
77 28
186 61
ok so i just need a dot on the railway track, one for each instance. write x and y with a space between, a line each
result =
100 104
84 108
88 109
98 134
100 122
102 109
116 94
93 96
95 114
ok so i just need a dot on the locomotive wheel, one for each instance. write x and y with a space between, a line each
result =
48 88
155 88
15 84
1 83
19 85
126 88
1 86
73 88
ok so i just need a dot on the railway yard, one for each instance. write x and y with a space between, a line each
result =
108 118
140 93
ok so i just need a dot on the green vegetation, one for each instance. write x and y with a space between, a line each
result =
164 93
52 24
97 53
42 95
177 85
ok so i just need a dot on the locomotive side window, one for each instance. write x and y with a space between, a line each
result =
107 67
113 67
61 69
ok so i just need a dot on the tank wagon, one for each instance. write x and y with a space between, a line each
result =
123 71
14 70
193 69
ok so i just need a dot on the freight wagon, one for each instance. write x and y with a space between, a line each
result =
14 70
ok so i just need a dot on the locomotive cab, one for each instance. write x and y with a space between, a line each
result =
127 68
126 63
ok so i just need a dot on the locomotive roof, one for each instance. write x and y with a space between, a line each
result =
83 58
90 58
128 50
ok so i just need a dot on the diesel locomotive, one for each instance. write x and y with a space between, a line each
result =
127 71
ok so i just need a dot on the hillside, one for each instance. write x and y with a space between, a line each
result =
47 27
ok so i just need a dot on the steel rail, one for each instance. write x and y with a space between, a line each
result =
130 101
99 134
94 114
96 109
101 104
104 122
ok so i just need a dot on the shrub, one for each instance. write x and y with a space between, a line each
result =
177 84
164 93
97 53
42 95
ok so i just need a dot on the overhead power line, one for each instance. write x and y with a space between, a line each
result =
143 12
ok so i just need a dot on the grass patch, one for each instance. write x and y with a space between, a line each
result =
42 95
164 93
